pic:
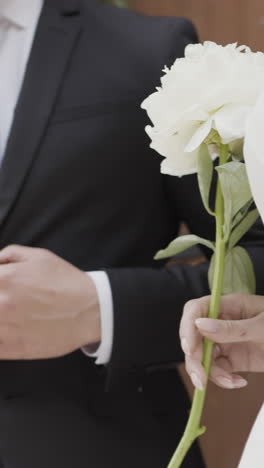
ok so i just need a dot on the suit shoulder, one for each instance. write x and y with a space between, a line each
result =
143 30
135 45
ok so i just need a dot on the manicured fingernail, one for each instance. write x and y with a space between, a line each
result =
241 383
197 382
232 383
185 346
225 382
207 325
217 351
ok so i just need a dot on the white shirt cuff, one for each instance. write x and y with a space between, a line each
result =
103 288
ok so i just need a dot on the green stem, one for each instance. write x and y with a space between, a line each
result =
194 429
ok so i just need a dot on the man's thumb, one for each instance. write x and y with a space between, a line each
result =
14 254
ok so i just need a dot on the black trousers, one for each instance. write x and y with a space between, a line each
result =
59 426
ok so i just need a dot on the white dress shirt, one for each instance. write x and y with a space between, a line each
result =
18 23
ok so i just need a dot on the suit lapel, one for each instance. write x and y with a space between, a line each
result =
57 33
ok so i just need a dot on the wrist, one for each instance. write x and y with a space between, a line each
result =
89 319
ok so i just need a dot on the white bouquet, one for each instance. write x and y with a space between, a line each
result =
200 114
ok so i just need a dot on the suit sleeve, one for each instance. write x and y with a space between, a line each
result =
148 302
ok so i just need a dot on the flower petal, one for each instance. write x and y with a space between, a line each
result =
254 132
172 166
177 162
230 122
254 153
199 136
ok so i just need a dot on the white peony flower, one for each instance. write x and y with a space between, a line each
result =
254 152
253 147
211 88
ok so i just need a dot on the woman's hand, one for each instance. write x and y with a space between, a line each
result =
238 336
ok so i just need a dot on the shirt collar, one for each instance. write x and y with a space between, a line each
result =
21 13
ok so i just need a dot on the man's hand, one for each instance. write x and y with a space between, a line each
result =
239 338
48 308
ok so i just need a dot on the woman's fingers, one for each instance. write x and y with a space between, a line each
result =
191 338
232 331
222 375
221 372
195 368
241 324
196 372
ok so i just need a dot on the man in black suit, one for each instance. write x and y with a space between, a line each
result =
81 191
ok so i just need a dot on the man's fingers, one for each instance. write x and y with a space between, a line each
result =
191 339
14 254
232 331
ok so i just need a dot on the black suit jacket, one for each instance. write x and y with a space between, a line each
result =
78 178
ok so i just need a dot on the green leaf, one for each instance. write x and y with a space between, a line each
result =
237 149
182 243
239 274
242 213
236 190
205 176
242 228
121 3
